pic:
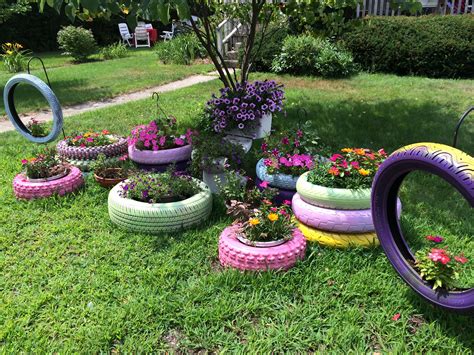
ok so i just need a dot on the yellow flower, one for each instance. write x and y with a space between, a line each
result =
359 151
87 134
273 217
125 11
8 44
254 221
18 45
364 172
346 150
9 52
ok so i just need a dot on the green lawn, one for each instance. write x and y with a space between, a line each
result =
96 80
73 282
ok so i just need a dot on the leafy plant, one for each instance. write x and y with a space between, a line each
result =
183 49
438 265
112 168
353 168
90 139
43 165
37 129
14 57
114 51
269 223
77 42
433 46
159 188
305 54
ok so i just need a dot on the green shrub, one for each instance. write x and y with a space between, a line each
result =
434 46
183 49
114 51
313 56
77 42
268 47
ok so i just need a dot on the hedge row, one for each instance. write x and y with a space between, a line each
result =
433 46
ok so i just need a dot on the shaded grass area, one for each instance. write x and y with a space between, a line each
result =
72 281
96 80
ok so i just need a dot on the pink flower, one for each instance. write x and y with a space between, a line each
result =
297 143
396 317
82 145
89 139
268 162
285 140
273 209
264 147
344 164
355 164
435 238
123 157
162 140
285 162
439 255
287 202
299 133
335 157
275 152
263 184
179 141
24 161
461 259
78 137
382 152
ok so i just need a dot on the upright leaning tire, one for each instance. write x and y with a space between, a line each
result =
451 164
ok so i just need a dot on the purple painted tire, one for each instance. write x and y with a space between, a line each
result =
91 153
160 157
454 166
235 254
282 193
30 190
339 221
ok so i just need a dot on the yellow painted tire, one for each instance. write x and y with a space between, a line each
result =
339 240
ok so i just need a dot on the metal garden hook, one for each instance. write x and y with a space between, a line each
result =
156 96
458 125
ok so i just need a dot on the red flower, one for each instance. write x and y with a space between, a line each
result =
105 131
396 317
435 238
287 202
461 259
439 255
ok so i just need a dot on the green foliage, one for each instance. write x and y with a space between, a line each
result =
114 51
183 49
434 46
37 129
43 165
115 168
77 42
8 9
307 55
15 59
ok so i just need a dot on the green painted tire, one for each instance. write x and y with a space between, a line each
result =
327 197
159 217
86 165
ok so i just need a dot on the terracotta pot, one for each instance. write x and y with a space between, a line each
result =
109 182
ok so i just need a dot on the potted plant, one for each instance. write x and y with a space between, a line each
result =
247 110
333 199
267 240
109 173
287 155
82 148
157 145
159 202
45 175
214 155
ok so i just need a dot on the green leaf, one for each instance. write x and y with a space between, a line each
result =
132 20
41 5
70 11
163 11
183 9
91 5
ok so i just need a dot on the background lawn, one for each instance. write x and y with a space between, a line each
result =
96 80
72 281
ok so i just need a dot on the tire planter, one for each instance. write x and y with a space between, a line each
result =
181 166
116 149
160 157
48 94
339 240
159 217
235 254
25 189
281 181
330 220
282 193
451 164
341 199
86 165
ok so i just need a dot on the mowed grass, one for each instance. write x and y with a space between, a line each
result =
73 282
97 79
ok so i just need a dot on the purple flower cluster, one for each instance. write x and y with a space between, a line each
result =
246 105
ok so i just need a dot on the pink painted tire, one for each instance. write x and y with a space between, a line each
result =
28 190
91 153
235 254
160 156
330 220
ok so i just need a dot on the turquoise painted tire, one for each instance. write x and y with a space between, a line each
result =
159 217
45 90
340 199
281 181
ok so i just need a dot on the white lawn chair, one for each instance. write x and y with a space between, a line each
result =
168 35
124 32
142 35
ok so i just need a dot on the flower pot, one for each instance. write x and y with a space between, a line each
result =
108 182
233 253
210 179
159 217
51 178
245 142
334 198
160 157
261 129
25 189
272 243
